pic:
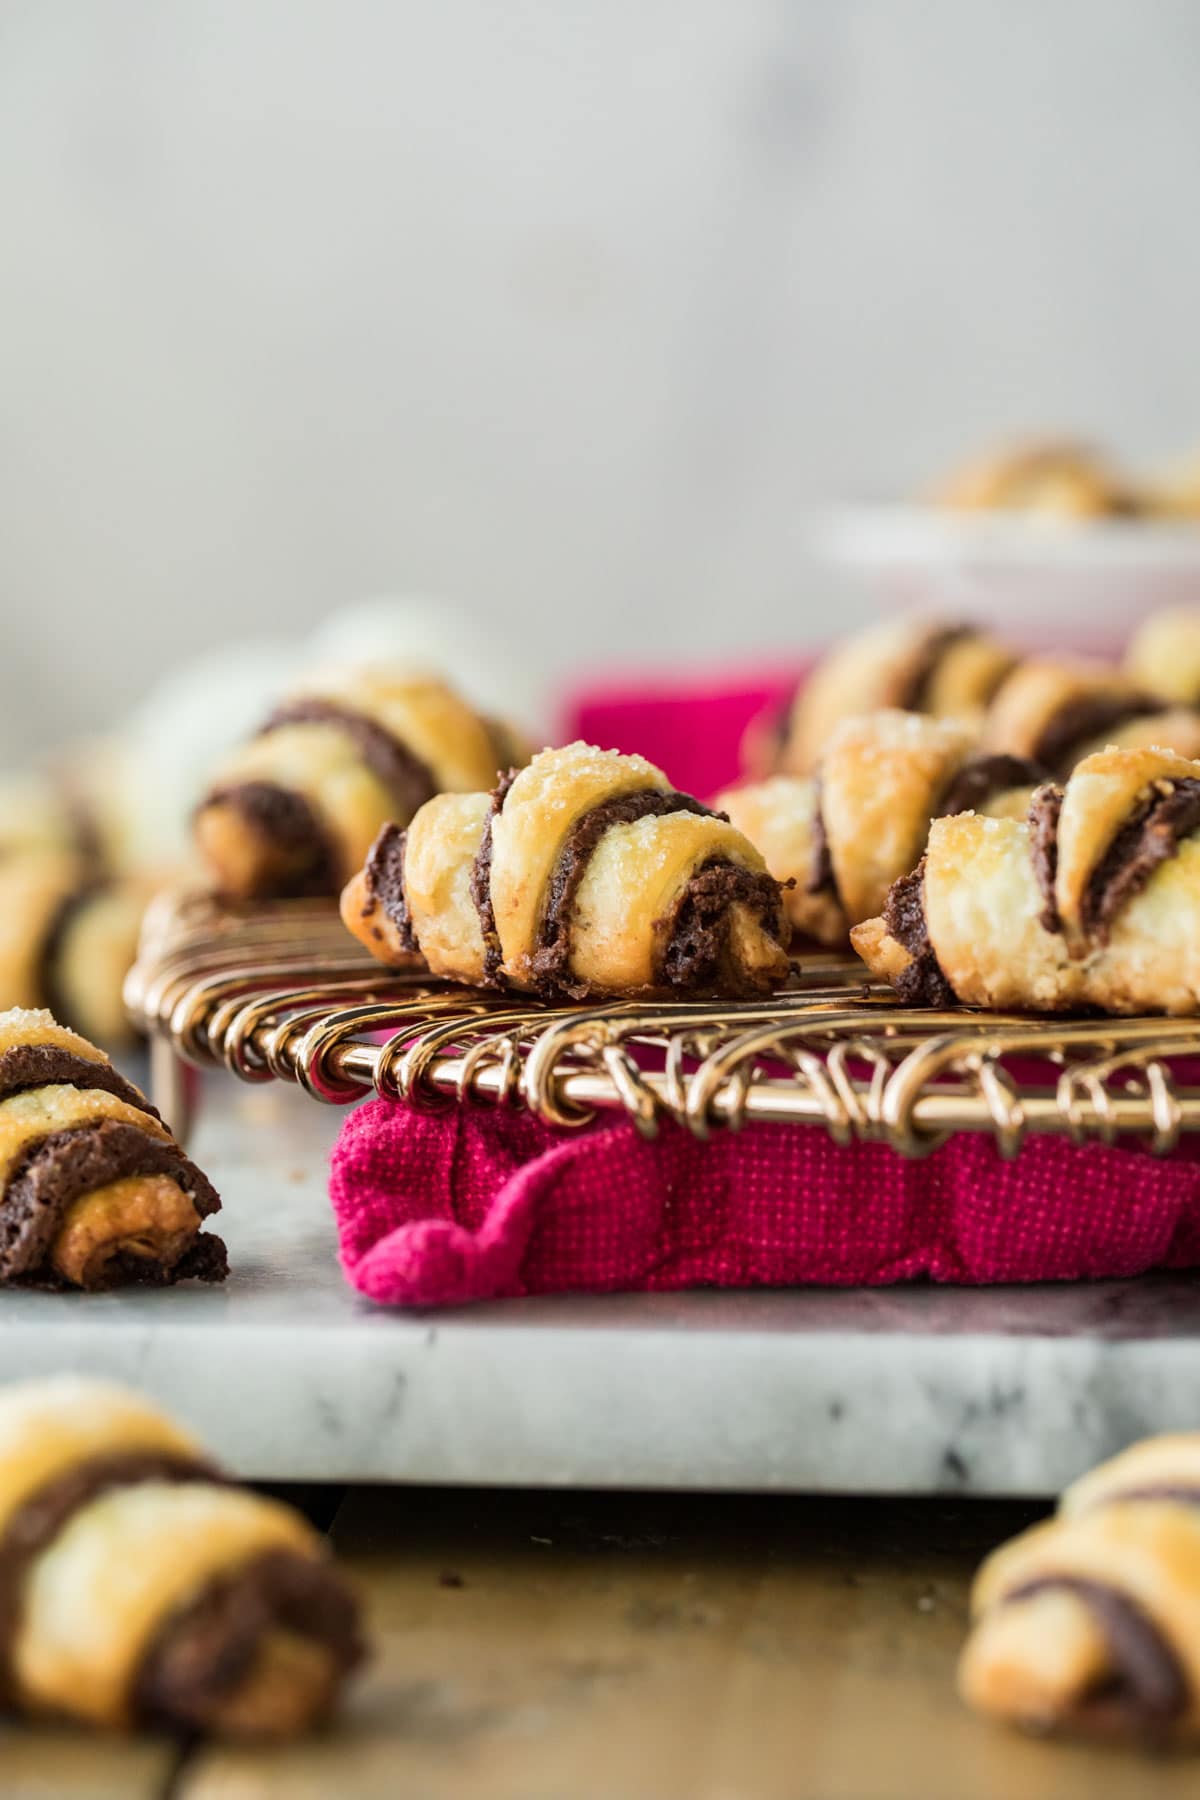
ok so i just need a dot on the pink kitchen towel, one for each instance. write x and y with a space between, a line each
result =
434 1209
692 728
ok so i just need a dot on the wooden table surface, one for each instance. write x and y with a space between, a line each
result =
532 1646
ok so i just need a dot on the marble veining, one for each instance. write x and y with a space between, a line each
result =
906 1389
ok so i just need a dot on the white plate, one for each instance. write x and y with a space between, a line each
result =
1045 578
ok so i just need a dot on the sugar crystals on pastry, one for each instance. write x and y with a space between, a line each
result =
94 1190
1092 900
911 664
1090 1622
843 836
139 1586
585 873
295 810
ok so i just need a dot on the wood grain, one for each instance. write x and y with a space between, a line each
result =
45 1764
648 1648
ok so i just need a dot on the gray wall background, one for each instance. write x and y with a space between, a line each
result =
568 311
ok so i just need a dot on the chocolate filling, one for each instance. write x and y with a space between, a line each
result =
40 1518
550 963
913 693
981 779
198 1657
1044 810
970 789
923 982
385 883
287 820
481 887
57 1169
1083 718
697 956
407 779
28 1066
1152 835
1149 1686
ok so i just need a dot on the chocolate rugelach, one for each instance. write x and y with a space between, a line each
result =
694 955
551 961
910 688
202 1653
226 1616
913 695
556 903
693 952
94 1191
294 809
288 823
408 780
1109 862
1087 1622
1147 1688
35 1524
971 788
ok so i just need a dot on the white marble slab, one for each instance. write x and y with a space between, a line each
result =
291 1376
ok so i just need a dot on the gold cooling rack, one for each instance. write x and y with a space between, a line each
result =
283 992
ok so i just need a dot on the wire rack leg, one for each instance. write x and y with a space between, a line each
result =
171 1087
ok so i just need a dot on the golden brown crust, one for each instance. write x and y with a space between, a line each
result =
1035 694
881 952
1062 480
443 842
148 1217
1091 1620
21 1026
882 779
547 799
965 675
93 1188
983 909
1058 710
34 817
1103 791
1095 901
911 663
47 1427
68 938
120 1567
1176 729
297 808
1171 1460
778 816
116 1537
94 951
576 876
